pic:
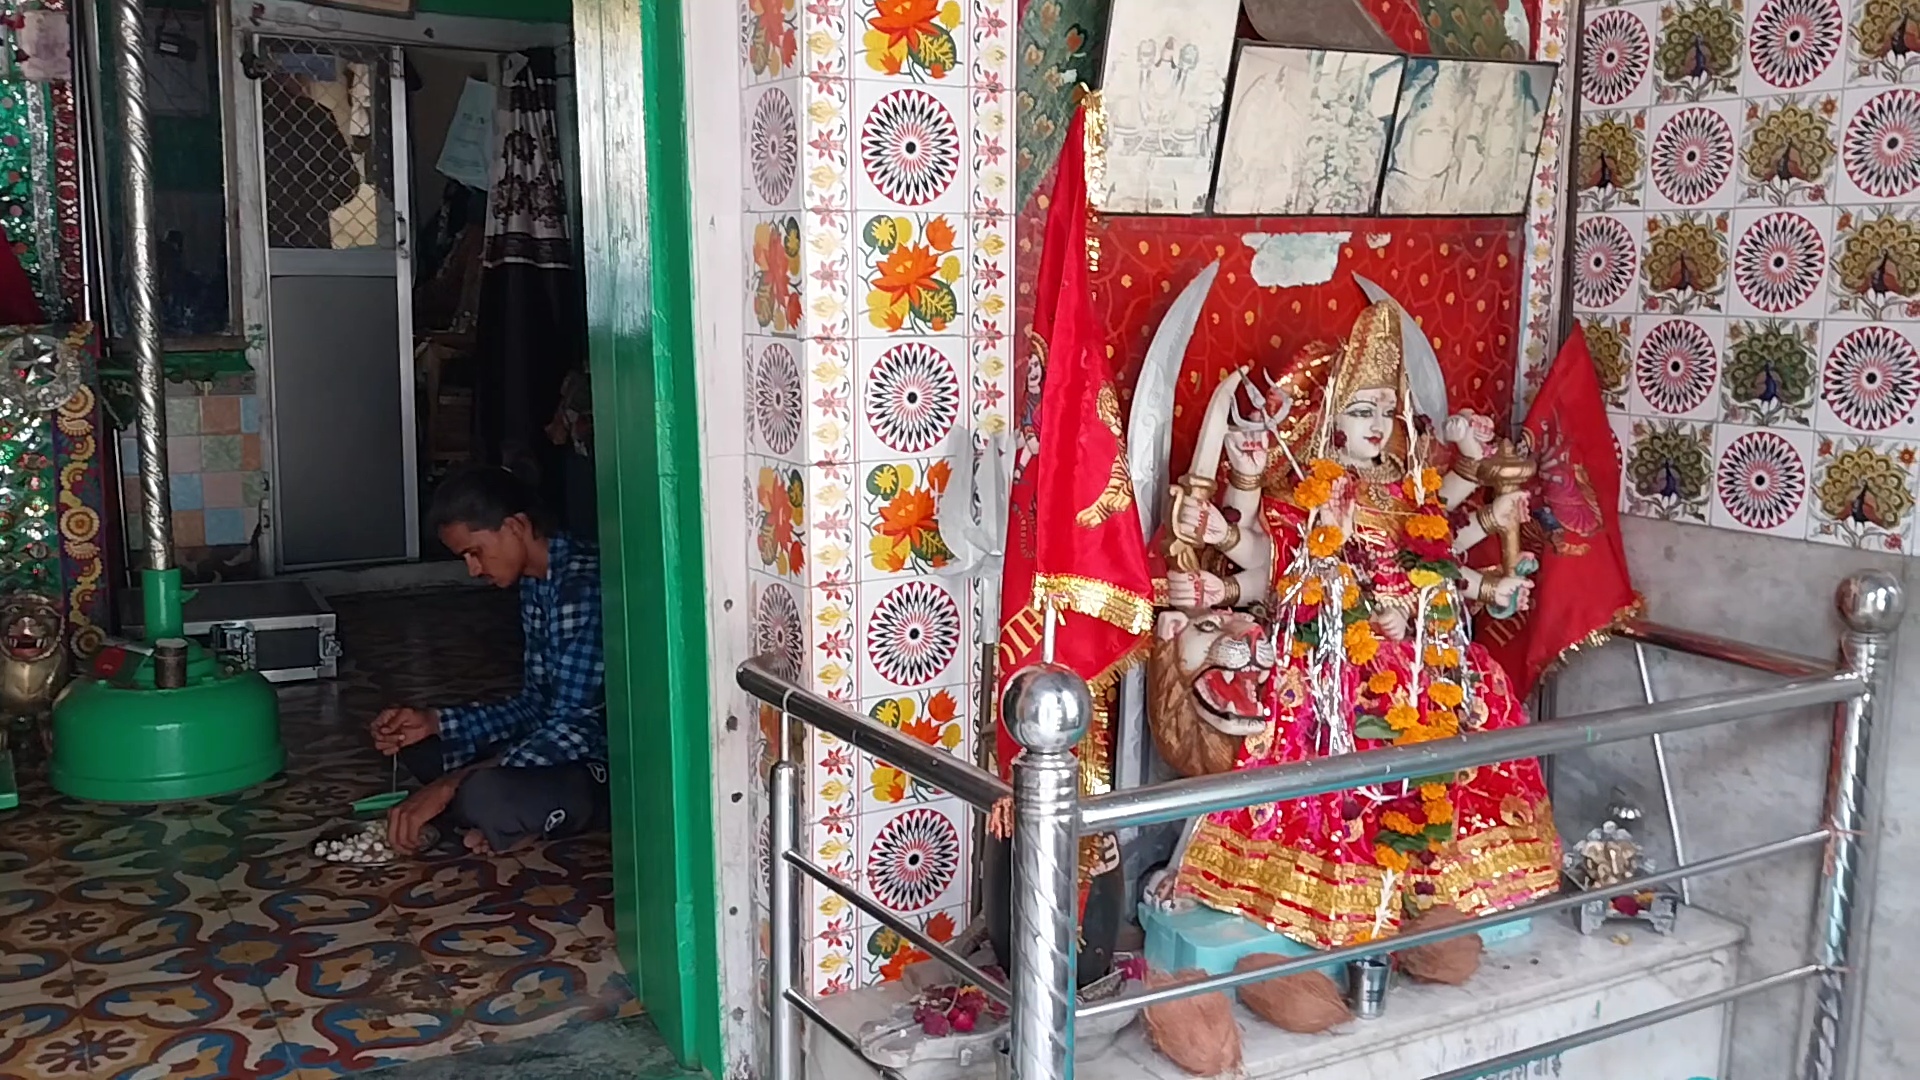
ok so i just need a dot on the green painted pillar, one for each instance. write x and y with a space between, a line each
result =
636 248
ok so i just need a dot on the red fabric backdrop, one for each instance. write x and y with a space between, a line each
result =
1459 277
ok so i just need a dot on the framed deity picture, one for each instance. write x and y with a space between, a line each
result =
1164 87
1306 131
1466 137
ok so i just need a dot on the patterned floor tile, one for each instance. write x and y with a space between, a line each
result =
204 940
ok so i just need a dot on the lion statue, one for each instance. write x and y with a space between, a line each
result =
1207 683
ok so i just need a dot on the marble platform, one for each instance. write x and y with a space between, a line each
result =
1551 984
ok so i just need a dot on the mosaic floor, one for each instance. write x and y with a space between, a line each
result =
203 940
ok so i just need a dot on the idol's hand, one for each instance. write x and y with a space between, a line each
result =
1246 452
1198 519
1512 594
1194 590
1469 433
1509 511
1391 624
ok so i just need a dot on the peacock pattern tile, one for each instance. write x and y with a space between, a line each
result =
202 939
1747 261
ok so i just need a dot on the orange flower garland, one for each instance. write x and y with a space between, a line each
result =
1324 541
1362 645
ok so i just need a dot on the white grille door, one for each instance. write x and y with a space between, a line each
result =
340 327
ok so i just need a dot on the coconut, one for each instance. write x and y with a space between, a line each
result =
1199 1033
1307 1003
1452 961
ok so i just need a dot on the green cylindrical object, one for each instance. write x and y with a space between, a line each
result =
163 603
124 741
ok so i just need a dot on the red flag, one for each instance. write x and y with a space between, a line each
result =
1582 587
1073 533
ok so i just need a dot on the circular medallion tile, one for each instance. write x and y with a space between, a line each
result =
913 633
1605 262
914 859
1793 42
778 398
1872 378
1761 480
1675 367
1692 155
913 397
775 140
1615 57
1779 262
1881 148
910 147
777 629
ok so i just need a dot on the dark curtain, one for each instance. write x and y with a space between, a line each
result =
531 329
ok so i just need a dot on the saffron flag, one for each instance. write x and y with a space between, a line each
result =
1074 540
1582 589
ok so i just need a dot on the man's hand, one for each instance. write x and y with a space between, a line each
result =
406 821
401 726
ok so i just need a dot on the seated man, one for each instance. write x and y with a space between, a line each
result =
535 764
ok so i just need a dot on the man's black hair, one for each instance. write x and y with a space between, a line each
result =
483 497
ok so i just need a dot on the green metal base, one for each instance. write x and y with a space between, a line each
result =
9 790
120 739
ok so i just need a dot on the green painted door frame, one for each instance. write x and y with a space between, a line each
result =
636 243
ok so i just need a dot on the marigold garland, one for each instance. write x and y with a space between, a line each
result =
1402 717
1361 643
1312 592
1423 578
1389 859
1431 792
1438 811
1446 695
1383 681
1324 541
1399 822
1426 526
1312 493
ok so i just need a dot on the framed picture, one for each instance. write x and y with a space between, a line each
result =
1306 131
1466 137
1164 86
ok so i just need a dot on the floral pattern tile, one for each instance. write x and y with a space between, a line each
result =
203 939
896 281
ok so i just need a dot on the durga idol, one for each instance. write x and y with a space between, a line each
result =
1336 530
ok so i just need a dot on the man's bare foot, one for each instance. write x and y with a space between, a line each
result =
1000 820
477 843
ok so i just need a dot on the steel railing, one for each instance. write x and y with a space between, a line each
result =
1048 709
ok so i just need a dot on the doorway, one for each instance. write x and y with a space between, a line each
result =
335 169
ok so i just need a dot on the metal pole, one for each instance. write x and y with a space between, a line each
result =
1049 710
1277 783
1666 774
783 894
1871 604
149 375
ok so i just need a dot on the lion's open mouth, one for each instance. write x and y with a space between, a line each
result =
25 641
1235 696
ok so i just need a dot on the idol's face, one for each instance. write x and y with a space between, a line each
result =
1366 423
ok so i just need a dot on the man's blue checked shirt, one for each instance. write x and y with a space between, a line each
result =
560 714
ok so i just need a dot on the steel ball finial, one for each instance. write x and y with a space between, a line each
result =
1047 708
1871 602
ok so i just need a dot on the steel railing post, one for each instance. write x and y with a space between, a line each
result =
1871 605
783 893
1047 709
